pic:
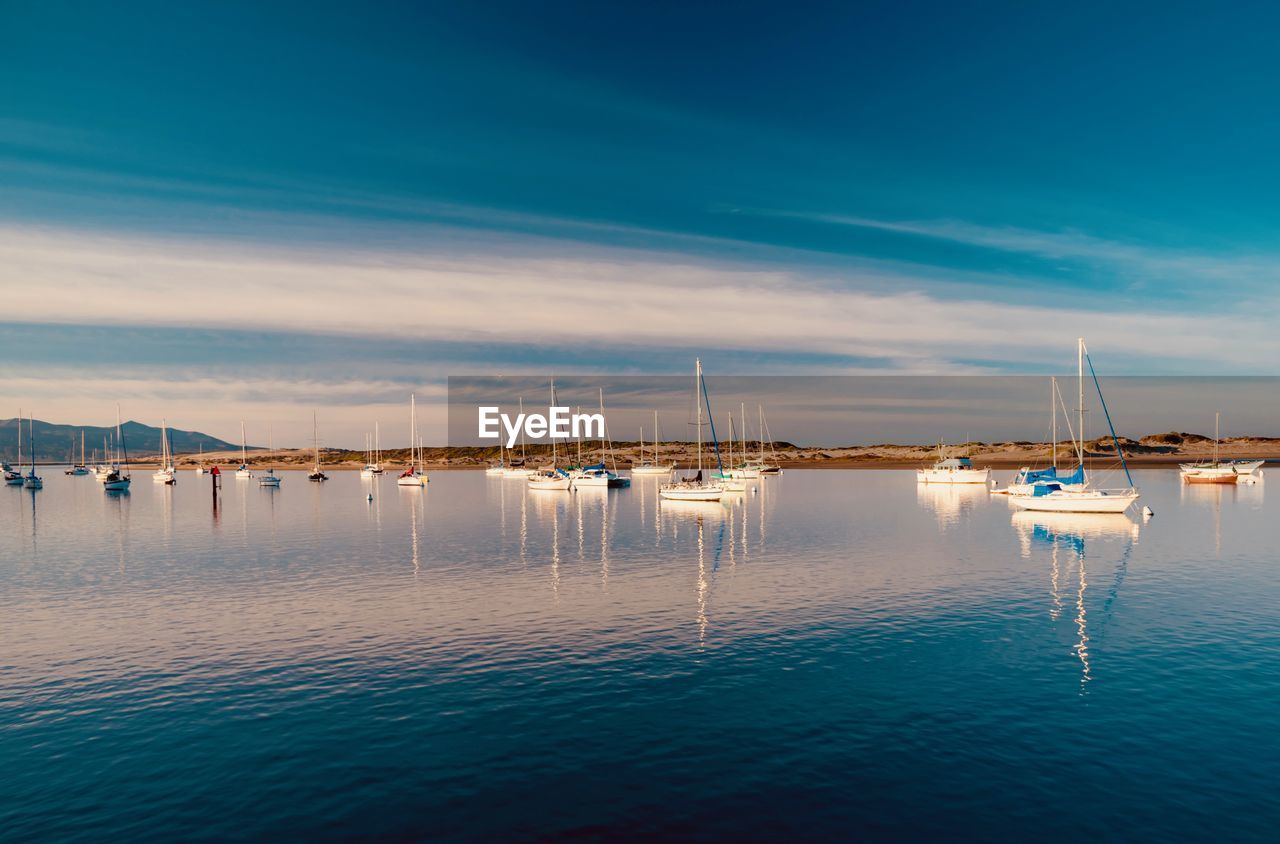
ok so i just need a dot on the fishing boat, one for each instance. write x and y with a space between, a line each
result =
550 477
242 471
167 474
598 475
1213 471
1075 494
31 480
952 470
118 479
315 474
12 476
653 467
411 476
79 468
697 488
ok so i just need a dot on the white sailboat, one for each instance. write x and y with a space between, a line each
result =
1046 492
167 474
551 477
653 467
102 470
270 479
200 470
499 469
598 475
696 488
373 457
118 479
242 471
1213 471
412 476
518 469
952 470
728 478
79 468
31 480
13 477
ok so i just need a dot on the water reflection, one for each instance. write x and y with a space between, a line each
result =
951 502
1065 534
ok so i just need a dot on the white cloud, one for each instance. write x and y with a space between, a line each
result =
604 299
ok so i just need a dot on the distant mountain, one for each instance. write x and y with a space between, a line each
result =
57 442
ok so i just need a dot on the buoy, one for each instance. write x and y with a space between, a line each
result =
1148 512
370 498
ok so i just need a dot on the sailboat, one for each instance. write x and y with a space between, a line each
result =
551 477
106 467
242 471
167 474
270 479
315 474
373 457
118 479
1045 491
518 468
653 467
31 480
79 468
499 469
1213 472
695 488
412 476
200 470
13 477
952 470
598 475
727 478
747 469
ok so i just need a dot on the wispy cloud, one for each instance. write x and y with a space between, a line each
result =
603 300
1130 263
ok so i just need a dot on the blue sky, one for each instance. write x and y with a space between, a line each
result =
217 211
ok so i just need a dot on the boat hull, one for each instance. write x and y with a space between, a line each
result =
116 486
959 476
1210 477
711 492
653 470
1075 502
411 480
561 484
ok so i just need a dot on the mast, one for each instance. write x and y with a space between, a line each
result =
413 433
697 395
1216 416
1080 407
82 446
522 454
1053 413
655 436
377 453
760 431
124 450
553 438
315 438
244 460
19 441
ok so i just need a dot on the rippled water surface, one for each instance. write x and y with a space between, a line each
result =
840 654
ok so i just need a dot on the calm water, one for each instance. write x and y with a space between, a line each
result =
839 655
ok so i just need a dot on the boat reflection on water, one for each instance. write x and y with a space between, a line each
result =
951 501
1063 536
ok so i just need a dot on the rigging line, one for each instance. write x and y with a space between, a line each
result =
1114 439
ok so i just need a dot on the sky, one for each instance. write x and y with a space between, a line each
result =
221 211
